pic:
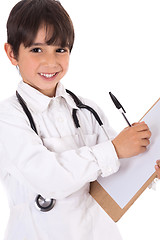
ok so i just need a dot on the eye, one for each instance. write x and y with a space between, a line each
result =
61 50
36 50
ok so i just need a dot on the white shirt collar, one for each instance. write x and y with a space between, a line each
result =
37 101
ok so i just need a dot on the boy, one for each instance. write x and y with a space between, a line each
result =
53 161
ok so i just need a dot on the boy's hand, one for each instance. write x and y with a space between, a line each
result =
157 167
132 140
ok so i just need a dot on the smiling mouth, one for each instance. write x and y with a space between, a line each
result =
48 75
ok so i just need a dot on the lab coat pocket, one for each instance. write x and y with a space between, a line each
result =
90 139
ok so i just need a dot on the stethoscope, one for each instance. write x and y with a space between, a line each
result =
43 204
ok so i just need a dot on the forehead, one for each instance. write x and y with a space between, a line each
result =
44 33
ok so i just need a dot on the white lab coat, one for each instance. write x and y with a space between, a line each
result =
55 164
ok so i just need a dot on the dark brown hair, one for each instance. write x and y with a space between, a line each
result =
27 16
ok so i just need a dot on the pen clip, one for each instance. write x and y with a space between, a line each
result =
116 102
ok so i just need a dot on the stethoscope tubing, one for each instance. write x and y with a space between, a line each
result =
43 204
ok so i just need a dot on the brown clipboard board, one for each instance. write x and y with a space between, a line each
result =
109 205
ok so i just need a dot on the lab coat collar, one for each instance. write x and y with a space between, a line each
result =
37 101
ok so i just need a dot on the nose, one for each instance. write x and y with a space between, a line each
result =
51 60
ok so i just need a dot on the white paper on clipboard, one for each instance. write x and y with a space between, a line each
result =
135 171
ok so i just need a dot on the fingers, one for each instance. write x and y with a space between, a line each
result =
142 149
144 133
157 168
141 126
132 140
143 145
145 142
141 134
158 163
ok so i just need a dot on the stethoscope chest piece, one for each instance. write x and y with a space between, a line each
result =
43 204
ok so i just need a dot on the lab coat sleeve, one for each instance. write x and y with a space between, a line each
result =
102 138
51 174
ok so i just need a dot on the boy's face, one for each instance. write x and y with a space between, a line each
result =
42 66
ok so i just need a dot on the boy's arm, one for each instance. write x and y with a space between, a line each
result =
48 173
130 142
52 174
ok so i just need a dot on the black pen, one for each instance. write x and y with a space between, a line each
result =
119 106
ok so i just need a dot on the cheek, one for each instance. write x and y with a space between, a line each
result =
28 66
66 64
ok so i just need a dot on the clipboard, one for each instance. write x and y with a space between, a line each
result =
116 193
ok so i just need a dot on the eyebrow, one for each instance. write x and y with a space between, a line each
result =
38 44
41 44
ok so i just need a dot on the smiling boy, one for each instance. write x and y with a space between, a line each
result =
41 65
55 163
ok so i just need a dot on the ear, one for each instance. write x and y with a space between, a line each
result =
9 51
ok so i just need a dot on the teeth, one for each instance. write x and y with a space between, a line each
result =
47 75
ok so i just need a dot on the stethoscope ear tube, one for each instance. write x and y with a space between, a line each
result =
75 118
80 105
27 112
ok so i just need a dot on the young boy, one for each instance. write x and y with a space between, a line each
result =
50 159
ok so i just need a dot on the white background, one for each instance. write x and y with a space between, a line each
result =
117 48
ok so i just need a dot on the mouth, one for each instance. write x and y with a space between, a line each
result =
48 75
